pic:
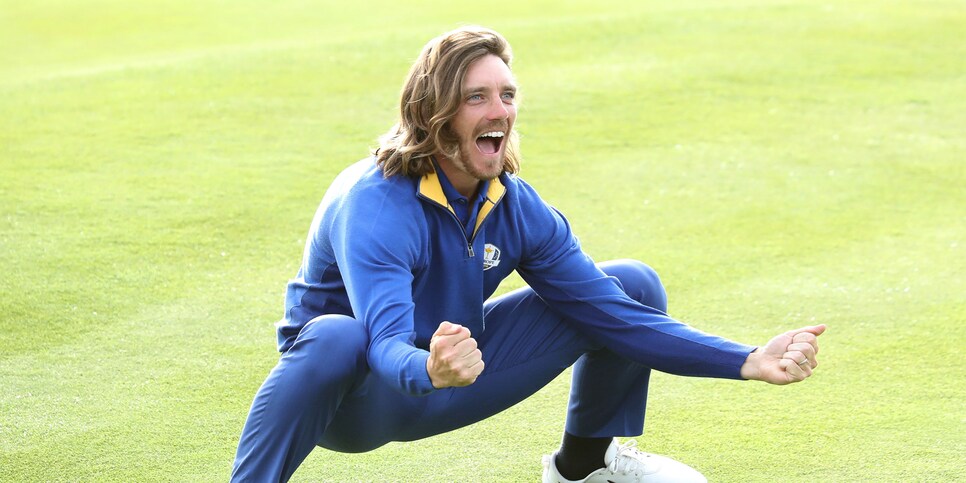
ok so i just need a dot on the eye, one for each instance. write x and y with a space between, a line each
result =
475 98
509 96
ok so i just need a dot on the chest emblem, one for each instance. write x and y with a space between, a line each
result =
491 256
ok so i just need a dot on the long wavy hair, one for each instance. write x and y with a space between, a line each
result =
431 97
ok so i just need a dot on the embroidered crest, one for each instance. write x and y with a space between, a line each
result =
491 256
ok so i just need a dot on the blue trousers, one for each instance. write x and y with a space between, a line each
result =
322 393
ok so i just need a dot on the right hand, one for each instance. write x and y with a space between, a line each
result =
454 360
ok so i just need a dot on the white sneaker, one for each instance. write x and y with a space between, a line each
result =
626 464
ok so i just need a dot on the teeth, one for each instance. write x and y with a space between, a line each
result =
492 134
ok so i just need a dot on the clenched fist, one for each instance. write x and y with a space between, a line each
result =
787 358
454 360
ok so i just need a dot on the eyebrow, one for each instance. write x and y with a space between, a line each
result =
476 90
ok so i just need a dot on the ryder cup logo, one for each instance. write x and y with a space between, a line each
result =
491 256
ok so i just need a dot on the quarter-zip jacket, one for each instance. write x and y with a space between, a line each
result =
391 253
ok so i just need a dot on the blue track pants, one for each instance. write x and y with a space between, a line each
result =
322 393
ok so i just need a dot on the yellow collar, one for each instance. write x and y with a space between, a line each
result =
430 188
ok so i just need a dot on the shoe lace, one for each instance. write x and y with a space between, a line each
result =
628 459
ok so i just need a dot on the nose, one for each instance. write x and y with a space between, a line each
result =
497 110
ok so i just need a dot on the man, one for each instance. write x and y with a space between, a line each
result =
388 334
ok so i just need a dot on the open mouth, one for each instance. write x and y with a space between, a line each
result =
490 142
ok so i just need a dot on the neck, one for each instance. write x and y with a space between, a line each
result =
464 183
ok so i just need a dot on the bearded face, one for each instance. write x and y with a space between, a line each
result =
483 123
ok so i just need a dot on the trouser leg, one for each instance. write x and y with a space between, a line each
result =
608 394
299 398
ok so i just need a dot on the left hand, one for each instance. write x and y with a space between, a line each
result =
787 358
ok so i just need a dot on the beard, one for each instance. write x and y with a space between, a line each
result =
484 171
467 157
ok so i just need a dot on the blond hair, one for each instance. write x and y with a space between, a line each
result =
431 97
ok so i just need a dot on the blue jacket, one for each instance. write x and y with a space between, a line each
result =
392 254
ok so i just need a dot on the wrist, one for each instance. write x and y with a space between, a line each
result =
429 373
749 370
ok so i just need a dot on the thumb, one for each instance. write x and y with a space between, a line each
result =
811 329
814 329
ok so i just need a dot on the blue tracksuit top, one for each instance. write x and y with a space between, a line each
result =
392 254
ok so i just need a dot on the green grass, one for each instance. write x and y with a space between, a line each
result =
779 163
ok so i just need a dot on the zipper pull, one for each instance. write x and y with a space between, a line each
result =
470 249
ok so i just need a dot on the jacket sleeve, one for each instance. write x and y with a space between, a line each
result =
572 285
376 249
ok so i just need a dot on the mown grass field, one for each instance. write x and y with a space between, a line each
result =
779 163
